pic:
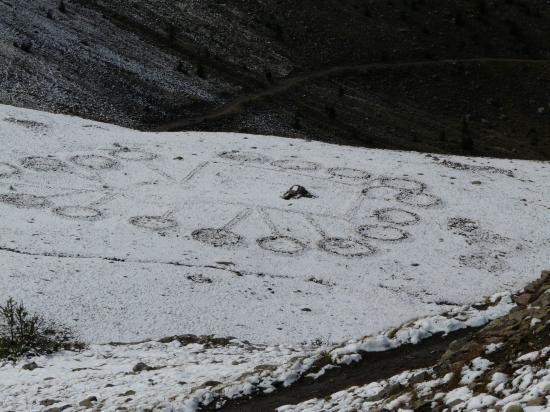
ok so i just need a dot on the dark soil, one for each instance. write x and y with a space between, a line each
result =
373 367
514 332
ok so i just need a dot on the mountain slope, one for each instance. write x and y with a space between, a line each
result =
146 65
129 235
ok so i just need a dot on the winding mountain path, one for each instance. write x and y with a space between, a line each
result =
283 85
373 367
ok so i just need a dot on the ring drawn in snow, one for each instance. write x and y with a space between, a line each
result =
296 164
282 244
418 199
43 164
463 224
487 261
475 168
244 156
402 184
133 155
349 173
156 223
30 124
24 200
94 162
78 212
7 170
381 192
346 247
217 237
396 216
381 232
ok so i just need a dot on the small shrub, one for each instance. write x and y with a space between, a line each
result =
278 31
513 28
181 68
200 71
533 137
481 6
331 112
26 46
172 33
464 128
467 143
458 18
268 76
62 8
296 122
23 333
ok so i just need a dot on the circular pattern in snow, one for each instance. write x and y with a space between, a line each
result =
43 164
156 223
7 170
381 192
78 212
418 199
346 247
463 224
133 155
94 162
487 261
244 156
296 164
282 244
24 200
380 232
349 173
403 183
396 216
217 237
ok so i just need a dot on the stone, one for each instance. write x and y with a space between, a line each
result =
212 383
88 402
540 401
523 299
419 377
29 366
140 367
388 390
514 408
296 192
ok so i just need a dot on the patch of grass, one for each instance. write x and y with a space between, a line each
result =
23 333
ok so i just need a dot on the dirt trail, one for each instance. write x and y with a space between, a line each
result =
373 367
235 106
515 333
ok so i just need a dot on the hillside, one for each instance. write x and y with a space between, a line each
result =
137 235
465 77
182 248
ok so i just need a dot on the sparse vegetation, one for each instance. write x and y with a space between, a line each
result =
24 333
200 70
26 46
331 112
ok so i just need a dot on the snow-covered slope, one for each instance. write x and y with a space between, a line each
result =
125 235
